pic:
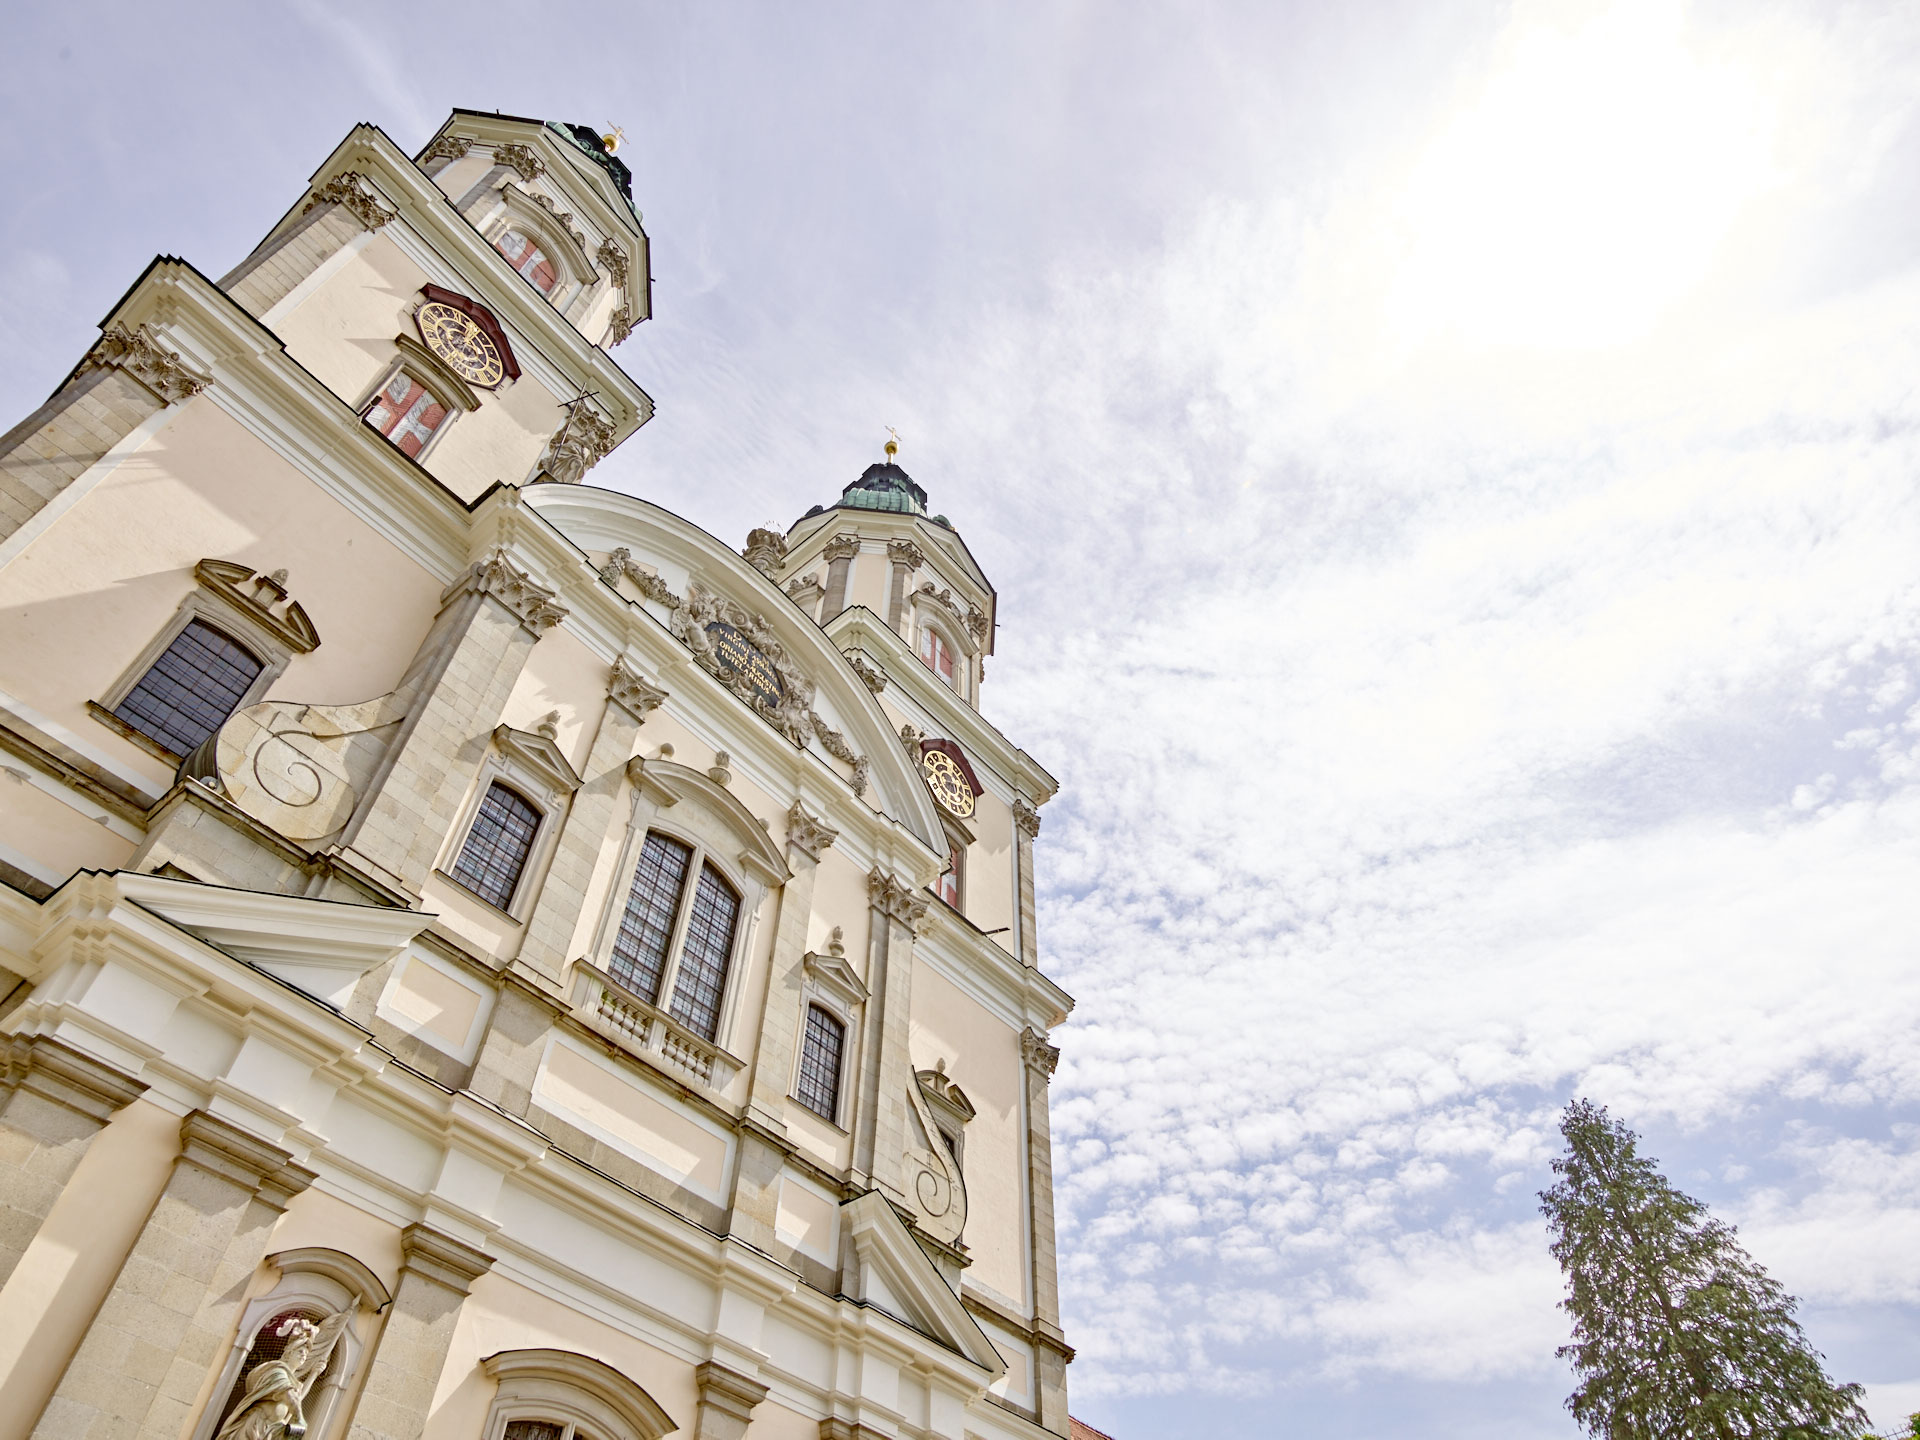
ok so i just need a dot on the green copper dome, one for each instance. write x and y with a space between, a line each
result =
885 487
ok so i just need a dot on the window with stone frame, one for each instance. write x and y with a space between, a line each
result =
189 692
937 655
670 897
498 845
529 259
949 887
821 1049
406 412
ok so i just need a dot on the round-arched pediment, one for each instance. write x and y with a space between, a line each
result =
731 618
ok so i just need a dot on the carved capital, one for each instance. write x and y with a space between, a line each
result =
581 442
437 1256
905 552
344 190
899 903
447 147
620 325
1039 1055
611 256
809 832
626 688
1026 817
224 1149
841 547
521 160
977 623
874 679
727 1390
146 360
530 601
765 550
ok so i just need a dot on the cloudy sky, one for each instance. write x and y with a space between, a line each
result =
1450 472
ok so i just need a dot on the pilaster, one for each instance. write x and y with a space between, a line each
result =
839 553
556 914
1039 1059
886 1069
906 557
437 1272
53 1101
458 684
142 1363
727 1399
1026 829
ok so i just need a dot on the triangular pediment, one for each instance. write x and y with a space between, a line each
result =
892 1273
539 753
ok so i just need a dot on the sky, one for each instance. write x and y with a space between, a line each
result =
1449 470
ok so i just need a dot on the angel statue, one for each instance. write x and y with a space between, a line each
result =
273 1407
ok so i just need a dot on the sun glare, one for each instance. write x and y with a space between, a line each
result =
1584 190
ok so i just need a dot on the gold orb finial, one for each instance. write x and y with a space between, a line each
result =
612 138
893 442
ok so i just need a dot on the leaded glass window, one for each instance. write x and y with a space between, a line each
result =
703 961
646 929
406 413
819 1087
498 845
193 687
529 259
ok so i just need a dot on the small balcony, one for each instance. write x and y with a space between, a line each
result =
609 1009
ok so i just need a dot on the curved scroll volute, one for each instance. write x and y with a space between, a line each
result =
934 1185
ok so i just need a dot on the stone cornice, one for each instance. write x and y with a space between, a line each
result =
440 1257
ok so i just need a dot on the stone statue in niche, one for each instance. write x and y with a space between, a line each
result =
273 1406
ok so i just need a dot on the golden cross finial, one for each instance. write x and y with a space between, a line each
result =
893 442
612 138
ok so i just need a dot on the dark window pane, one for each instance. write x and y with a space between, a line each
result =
819 1088
191 689
534 1430
640 949
703 963
497 846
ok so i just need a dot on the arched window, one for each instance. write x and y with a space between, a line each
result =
191 689
529 259
560 1395
495 855
820 1051
406 412
668 898
936 654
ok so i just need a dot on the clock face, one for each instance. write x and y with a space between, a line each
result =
948 782
468 350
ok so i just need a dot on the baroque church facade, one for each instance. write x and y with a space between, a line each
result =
482 958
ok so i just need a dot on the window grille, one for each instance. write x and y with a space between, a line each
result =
497 846
819 1088
189 692
640 949
529 259
535 1430
703 962
269 1345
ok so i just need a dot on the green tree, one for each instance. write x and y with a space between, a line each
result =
1677 1333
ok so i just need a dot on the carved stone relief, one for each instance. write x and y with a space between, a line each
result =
301 768
905 552
765 550
143 357
614 259
896 901
581 442
621 563
873 678
841 547
934 1184
625 687
531 601
809 832
344 190
1039 1055
726 639
621 325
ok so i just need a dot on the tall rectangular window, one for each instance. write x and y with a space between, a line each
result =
819 1087
936 655
646 928
497 846
193 687
703 963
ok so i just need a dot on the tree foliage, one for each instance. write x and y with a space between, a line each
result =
1677 1333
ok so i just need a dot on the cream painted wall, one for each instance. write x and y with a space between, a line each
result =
53 836
983 1058
868 581
561 674
343 332
993 878
81 602
502 1315
71 1264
